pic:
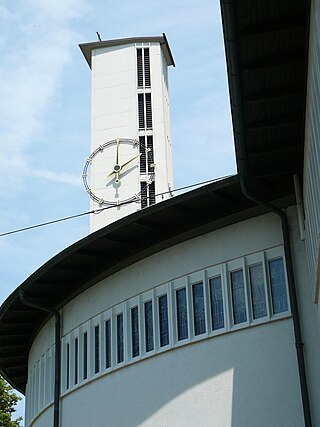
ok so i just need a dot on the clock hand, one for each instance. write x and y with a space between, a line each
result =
129 161
117 155
117 169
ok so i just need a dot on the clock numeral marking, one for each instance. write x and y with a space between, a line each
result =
89 191
84 175
101 148
118 202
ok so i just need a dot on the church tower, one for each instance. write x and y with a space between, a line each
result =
130 165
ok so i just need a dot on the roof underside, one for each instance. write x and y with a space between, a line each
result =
266 47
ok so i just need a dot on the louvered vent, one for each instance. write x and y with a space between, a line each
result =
152 194
141 110
148 111
143 160
147 68
139 68
144 195
150 153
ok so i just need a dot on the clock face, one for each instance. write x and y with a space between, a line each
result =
112 173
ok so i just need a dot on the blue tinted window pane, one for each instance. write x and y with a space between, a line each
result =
135 331
238 297
216 303
163 320
148 324
120 350
278 286
96 350
198 309
108 343
76 357
259 307
85 356
182 318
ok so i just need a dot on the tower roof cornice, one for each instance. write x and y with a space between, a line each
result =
87 48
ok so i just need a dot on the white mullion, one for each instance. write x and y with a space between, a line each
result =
206 296
190 310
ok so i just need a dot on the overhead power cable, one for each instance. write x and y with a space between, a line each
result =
99 210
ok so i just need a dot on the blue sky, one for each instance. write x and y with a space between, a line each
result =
45 111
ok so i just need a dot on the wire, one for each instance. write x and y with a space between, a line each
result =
97 211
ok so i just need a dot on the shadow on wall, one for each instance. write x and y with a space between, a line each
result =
242 379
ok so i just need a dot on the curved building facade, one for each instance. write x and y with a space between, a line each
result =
187 336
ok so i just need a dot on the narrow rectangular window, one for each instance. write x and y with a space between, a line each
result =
278 286
108 343
76 360
182 314
198 309
120 349
148 111
141 110
67 366
238 297
144 194
259 307
147 67
152 193
143 155
148 325
96 349
139 68
163 321
85 356
135 331
216 300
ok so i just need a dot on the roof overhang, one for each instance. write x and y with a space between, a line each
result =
87 48
267 54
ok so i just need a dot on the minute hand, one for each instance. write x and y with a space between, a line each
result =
129 161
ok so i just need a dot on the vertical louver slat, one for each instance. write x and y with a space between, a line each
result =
152 194
144 197
146 61
139 68
141 110
143 160
148 111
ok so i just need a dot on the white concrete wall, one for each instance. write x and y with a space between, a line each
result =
312 156
115 114
238 378
308 316
246 379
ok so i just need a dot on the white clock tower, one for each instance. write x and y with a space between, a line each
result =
130 166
